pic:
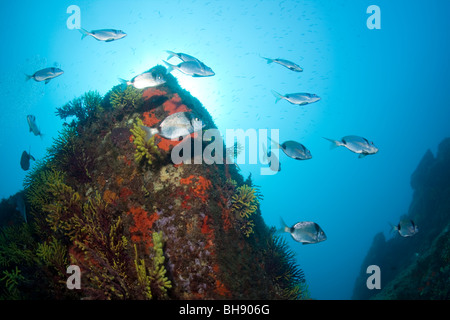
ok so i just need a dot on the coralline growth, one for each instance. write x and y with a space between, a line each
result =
110 201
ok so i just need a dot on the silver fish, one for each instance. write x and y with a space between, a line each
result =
306 232
355 144
191 68
182 56
272 160
294 150
179 124
285 63
145 80
406 228
25 160
106 35
33 126
301 98
45 75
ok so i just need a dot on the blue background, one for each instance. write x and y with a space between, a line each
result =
390 86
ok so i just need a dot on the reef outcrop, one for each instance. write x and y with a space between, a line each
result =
417 267
138 226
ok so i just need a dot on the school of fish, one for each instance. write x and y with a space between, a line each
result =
184 123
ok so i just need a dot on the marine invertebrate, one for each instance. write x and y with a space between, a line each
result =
199 188
16 246
100 249
247 228
12 280
153 279
68 153
175 105
152 92
281 266
150 119
128 99
83 108
141 230
39 185
110 197
245 201
146 150
53 254
142 276
159 280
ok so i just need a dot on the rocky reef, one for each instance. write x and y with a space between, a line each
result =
417 267
138 226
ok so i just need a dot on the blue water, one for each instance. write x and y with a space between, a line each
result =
389 85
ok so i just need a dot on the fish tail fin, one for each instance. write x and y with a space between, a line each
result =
28 77
171 54
149 132
393 228
269 61
41 135
334 143
265 156
84 33
277 145
170 67
124 82
284 227
277 96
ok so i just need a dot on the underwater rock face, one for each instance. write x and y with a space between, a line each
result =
139 227
417 267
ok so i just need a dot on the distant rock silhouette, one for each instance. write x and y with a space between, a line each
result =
417 267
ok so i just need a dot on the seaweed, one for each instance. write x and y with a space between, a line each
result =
84 108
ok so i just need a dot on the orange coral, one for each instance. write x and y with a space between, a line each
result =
174 105
176 98
142 228
166 144
187 180
225 214
119 180
201 186
206 229
150 92
150 119
125 193
221 289
110 197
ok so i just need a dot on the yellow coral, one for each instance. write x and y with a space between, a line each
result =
146 149
245 201
158 272
247 228
154 276
143 278
128 98
53 254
